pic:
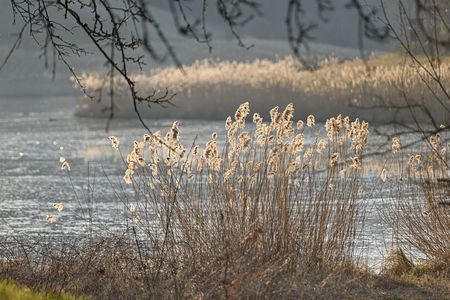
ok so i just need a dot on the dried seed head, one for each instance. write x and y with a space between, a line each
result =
131 207
141 161
288 113
418 158
147 138
297 142
244 140
257 118
195 150
274 115
395 145
310 121
383 175
153 169
114 142
58 206
321 145
65 166
435 140
175 131
356 162
333 159
127 177
228 123
308 153
52 218
242 113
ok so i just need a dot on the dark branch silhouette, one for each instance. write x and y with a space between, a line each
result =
125 31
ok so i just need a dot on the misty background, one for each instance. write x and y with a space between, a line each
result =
27 76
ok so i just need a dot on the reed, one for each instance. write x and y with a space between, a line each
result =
251 204
420 212
262 211
350 87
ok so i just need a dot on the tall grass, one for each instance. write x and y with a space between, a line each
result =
420 212
205 86
248 206
261 211
240 216
419 215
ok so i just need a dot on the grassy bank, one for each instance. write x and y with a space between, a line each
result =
96 275
12 291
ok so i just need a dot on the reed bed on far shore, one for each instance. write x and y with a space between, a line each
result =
368 89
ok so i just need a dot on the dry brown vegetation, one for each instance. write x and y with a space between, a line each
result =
259 213
111 269
370 89
420 214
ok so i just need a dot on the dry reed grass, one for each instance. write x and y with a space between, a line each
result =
336 86
234 218
258 213
420 212
265 205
